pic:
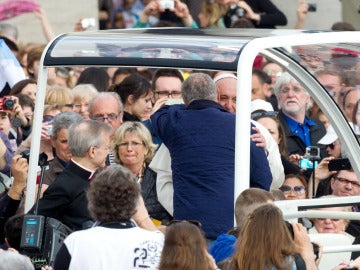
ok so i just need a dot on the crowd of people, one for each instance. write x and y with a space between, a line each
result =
141 161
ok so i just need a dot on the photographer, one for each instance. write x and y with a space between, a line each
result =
154 8
262 13
10 201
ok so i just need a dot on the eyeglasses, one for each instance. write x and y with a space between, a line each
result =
331 219
299 190
331 146
125 145
194 222
296 90
78 106
48 118
258 115
174 94
274 73
109 118
346 181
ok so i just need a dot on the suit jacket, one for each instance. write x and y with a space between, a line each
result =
65 199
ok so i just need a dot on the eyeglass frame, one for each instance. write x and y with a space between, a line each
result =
169 93
108 118
347 181
298 190
125 145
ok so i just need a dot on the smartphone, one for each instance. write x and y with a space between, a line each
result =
88 22
312 7
339 164
172 101
306 163
167 4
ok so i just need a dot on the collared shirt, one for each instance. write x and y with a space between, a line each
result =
86 169
302 130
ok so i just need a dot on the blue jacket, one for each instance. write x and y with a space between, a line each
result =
201 141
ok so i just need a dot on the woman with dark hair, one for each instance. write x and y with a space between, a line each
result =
274 247
116 242
96 76
185 248
27 87
134 149
295 187
270 121
136 95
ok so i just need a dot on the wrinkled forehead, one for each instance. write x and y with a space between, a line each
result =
349 175
226 87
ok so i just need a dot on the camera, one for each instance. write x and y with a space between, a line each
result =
6 103
312 7
167 4
316 247
43 158
240 12
311 157
88 22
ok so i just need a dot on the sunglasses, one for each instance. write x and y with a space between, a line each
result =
299 190
194 222
331 146
258 115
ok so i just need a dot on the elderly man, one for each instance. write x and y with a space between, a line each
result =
201 139
300 130
65 199
226 96
107 107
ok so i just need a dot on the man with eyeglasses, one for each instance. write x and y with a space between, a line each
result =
300 130
332 81
166 84
107 107
346 183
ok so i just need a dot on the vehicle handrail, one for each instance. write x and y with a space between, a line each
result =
337 249
322 214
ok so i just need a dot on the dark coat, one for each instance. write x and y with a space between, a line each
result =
149 194
295 145
201 141
65 199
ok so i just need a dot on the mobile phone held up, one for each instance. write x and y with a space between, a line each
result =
339 164
167 4
88 22
312 7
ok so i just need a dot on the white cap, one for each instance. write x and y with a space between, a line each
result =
224 75
261 105
329 137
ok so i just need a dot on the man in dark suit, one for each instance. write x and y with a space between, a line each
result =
65 199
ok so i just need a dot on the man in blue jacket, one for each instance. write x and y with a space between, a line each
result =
200 136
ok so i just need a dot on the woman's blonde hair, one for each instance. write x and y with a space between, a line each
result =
139 129
213 11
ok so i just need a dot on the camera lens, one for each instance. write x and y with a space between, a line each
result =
8 104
